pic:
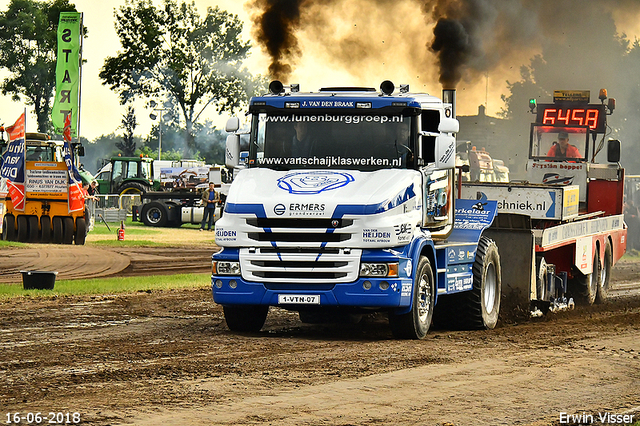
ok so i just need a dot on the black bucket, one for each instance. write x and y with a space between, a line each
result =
38 280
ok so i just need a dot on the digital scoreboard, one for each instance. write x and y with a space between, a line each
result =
568 115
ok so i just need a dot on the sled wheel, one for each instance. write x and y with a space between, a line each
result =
9 228
605 271
67 230
81 231
56 226
415 323
22 229
245 318
33 229
45 227
585 287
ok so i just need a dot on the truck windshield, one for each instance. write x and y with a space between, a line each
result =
559 143
331 141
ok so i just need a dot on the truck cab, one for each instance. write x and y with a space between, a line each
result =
344 202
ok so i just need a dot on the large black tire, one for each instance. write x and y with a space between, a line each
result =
245 318
67 230
133 188
478 308
605 272
584 288
33 229
57 231
81 231
154 214
45 229
415 323
23 229
9 228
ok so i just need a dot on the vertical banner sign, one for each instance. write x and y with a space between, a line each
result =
76 196
67 71
14 161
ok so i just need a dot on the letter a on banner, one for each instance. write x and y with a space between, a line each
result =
76 196
67 71
13 163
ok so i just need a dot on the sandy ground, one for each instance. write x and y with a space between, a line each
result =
166 357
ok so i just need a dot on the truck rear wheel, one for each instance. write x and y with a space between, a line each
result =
81 231
605 271
67 230
56 226
415 324
245 318
33 229
154 214
9 228
45 227
22 229
584 288
478 308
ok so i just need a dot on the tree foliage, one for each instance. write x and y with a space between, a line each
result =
128 144
28 50
173 52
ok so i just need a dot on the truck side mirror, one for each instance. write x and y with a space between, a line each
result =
445 151
233 124
232 151
613 151
449 125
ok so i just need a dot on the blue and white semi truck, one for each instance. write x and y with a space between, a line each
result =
346 204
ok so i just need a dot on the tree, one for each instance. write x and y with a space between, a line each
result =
172 52
128 144
28 50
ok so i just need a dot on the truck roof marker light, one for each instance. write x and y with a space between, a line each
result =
387 87
532 104
276 87
292 104
363 104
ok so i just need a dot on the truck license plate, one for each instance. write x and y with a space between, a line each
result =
299 299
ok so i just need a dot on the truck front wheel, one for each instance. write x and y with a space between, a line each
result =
415 324
245 318
154 214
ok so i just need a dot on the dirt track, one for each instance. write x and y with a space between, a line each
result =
168 358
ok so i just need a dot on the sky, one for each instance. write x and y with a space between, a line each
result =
101 112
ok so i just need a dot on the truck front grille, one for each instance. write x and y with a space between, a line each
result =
299 267
290 231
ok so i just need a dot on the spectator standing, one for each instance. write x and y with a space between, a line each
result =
209 199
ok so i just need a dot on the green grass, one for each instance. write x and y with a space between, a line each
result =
98 286
11 244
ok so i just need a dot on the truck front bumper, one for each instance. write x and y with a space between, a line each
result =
364 292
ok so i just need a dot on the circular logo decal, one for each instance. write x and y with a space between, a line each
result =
279 209
314 182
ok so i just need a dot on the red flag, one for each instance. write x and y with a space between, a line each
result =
14 161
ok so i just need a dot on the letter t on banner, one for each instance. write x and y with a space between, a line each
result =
76 195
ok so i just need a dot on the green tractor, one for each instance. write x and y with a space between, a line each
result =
127 176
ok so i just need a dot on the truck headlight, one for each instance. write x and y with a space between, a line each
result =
226 268
378 269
